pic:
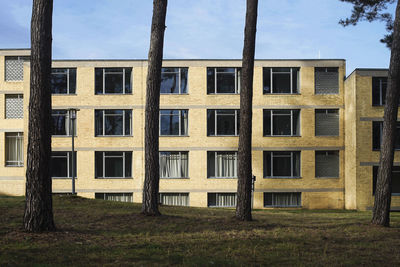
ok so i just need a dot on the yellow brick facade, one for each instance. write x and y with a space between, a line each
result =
352 189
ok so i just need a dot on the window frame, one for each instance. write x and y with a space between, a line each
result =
68 130
374 123
103 118
280 206
18 58
124 194
326 70
179 82
124 164
17 136
291 122
293 155
327 152
235 153
68 74
104 73
180 164
180 123
327 111
179 194
271 72
375 169
237 73
382 98
19 96
216 195
237 121
68 158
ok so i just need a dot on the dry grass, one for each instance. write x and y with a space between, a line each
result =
96 232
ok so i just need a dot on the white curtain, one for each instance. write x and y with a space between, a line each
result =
122 197
226 165
175 199
173 165
286 199
14 149
226 200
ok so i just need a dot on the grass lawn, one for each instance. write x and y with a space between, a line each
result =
97 232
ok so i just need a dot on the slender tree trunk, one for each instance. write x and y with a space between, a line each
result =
383 192
152 168
243 207
38 214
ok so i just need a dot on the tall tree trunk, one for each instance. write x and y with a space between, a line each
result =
152 168
38 214
243 207
383 190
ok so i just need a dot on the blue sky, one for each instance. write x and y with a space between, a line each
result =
120 29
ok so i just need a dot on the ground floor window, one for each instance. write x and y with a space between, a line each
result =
61 164
291 199
14 147
121 197
221 200
174 199
395 180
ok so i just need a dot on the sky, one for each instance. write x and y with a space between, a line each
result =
201 29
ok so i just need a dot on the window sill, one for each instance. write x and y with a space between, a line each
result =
14 166
115 94
64 94
221 177
223 94
173 94
327 177
281 135
222 135
322 136
103 178
60 136
327 94
296 207
219 207
174 135
63 178
285 94
16 81
113 136
13 118
282 177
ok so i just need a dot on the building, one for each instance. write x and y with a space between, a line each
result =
310 125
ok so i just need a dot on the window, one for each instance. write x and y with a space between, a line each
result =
174 80
113 81
113 164
62 123
221 164
174 199
61 164
327 164
281 164
326 80
281 122
377 129
174 165
282 200
223 122
281 80
395 180
14 106
326 122
14 149
223 80
113 122
174 122
14 69
227 200
63 81
379 85
120 197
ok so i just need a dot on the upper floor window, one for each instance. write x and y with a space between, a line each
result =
326 80
379 85
174 164
63 81
111 122
281 80
223 80
281 164
14 69
14 106
14 149
326 122
377 129
327 164
395 180
174 80
281 122
174 122
61 164
113 81
223 122
113 164
222 164
62 122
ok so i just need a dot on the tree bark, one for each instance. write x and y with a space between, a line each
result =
151 147
243 207
38 214
383 190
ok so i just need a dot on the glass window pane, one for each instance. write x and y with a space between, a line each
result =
211 122
267 122
225 83
184 80
113 124
225 122
98 164
114 167
128 77
128 164
267 164
281 164
169 124
210 80
281 124
98 80
58 83
184 122
281 83
128 120
169 83
72 81
98 122
267 80
210 164
59 164
113 83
